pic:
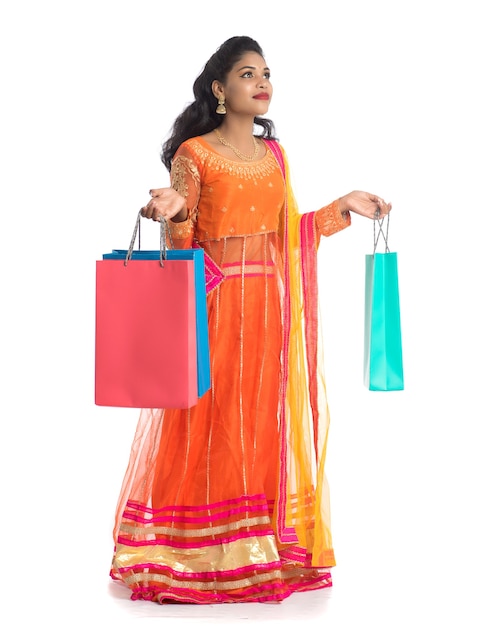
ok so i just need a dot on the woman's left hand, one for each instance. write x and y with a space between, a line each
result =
365 204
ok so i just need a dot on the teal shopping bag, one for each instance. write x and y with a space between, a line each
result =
383 365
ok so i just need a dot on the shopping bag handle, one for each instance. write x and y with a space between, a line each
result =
164 226
376 236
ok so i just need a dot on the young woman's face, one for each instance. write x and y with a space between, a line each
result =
247 88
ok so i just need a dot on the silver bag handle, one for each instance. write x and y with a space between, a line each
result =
376 236
164 226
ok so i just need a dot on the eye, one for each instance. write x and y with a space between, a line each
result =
267 75
247 75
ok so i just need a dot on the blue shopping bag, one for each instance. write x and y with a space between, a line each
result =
383 363
197 255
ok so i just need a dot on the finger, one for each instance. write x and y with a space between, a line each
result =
386 208
152 208
147 211
157 213
373 198
154 193
383 207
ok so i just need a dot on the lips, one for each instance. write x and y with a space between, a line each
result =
262 96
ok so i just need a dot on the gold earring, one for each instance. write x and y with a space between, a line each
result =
221 106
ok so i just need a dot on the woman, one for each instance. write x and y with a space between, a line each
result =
227 501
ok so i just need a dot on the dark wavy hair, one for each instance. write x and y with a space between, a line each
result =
200 116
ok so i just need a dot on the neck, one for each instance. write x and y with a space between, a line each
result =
238 131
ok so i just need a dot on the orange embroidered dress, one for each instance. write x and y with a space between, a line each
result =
227 501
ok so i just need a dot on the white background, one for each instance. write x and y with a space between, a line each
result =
392 97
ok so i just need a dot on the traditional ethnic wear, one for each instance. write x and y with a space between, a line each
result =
227 501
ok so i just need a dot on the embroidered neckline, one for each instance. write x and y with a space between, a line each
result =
244 169
210 149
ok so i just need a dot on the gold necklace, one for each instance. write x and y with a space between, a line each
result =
241 155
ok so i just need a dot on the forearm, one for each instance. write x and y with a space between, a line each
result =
332 218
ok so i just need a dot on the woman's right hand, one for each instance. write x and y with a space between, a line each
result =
166 202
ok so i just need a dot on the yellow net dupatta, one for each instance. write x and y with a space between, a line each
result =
303 509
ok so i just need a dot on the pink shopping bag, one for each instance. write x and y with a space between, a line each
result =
145 344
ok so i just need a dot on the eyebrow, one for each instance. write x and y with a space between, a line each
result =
251 67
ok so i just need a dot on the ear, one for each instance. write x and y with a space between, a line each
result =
217 89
